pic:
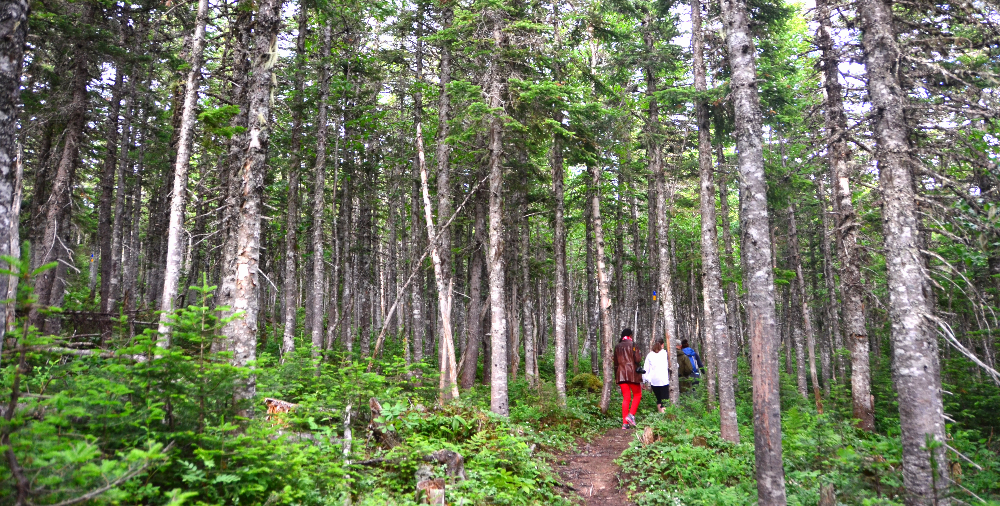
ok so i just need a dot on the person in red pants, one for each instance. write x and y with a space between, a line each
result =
628 374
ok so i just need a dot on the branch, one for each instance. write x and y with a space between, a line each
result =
98 491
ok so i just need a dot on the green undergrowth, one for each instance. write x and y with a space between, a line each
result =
162 426
690 464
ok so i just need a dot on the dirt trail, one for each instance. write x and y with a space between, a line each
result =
591 471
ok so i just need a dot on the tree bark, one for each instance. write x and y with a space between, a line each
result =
317 296
175 247
839 156
474 328
117 224
49 285
498 309
559 237
239 290
603 290
290 275
13 32
417 304
916 369
734 316
443 151
105 219
831 325
658 170
591 344
756 241
711 283
448 383
805 312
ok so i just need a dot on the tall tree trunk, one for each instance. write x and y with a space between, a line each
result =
105 206
804 311
831 325
117 224
317 296
288 287
175 247
591 344
13 31
448 383
239 289
916 369
417 305
498 310
711 282
794 316
49 285
734 316
756 241
839 156
658 170
443 150
603 290
474 328
528 314
559 240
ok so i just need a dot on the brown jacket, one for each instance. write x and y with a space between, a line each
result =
626 360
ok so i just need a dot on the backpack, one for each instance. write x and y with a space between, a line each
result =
684 368
694 362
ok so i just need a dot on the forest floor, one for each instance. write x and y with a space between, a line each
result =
592 473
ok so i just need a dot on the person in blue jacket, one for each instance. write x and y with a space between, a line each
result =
697 367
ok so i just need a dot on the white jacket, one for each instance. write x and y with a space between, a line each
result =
657 369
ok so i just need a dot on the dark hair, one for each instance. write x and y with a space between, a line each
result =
659 341
684 343
626 332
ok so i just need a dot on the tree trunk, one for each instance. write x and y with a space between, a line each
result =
658 170
239 290
528 313
476 310
831 325
805 312
317 296
105 206
559 242
603 290
443 150
117 224
175 246
494 86
13 31
850 263
288 287
49 285
734 316
591 345
756 241
916 369
448 383
711 283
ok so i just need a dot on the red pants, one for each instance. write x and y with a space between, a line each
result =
631 395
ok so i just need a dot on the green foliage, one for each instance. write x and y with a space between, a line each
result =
690 464
585 381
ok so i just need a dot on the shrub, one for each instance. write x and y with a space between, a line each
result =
586 382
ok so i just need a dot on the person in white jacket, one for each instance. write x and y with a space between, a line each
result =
657 368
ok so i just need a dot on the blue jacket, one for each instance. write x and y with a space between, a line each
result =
696 364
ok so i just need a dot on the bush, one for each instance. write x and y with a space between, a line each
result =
586 382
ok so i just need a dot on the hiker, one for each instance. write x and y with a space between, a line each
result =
628 373
689 366
657 368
